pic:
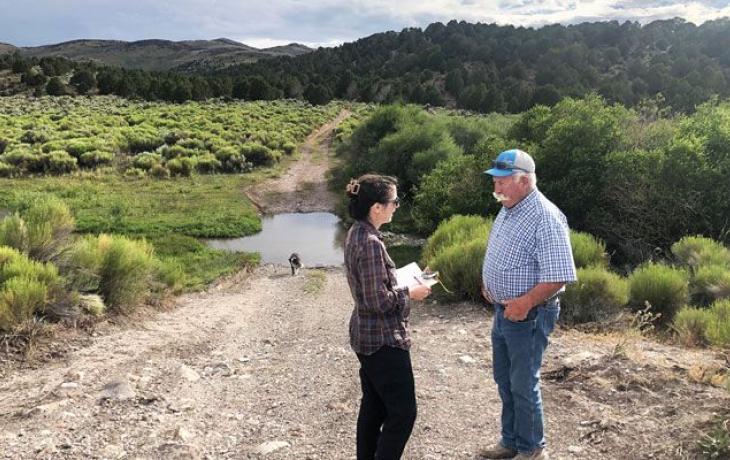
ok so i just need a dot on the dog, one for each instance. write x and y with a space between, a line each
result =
295 262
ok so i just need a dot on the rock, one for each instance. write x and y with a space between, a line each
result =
270 446
69 385
183 434
117 389
575 449
187 373
175 451
466 359
45 409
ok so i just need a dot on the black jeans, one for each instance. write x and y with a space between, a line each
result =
388 406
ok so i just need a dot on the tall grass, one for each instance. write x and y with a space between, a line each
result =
588 250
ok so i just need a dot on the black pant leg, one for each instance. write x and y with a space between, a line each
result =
370 418
391 374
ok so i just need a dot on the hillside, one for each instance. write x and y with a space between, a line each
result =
161 55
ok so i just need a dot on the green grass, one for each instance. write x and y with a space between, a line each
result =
209 206
169 213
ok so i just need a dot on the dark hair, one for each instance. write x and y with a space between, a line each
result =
366 191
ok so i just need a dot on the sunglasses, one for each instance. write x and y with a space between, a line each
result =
506 165
395 201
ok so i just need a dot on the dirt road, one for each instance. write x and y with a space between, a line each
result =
259 367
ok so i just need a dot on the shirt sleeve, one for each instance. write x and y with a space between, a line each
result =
379 295
554 253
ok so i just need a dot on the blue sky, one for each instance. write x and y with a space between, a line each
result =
311 22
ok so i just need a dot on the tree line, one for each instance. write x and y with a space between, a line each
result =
477 67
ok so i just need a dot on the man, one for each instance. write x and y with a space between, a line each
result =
527 263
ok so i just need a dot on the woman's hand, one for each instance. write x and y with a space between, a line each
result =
419 292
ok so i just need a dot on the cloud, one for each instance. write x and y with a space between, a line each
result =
312 22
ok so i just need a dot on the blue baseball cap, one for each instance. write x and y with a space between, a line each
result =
510 162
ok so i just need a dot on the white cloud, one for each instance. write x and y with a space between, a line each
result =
311 22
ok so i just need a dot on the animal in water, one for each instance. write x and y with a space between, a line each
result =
295 262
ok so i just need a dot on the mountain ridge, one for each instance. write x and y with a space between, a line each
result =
159 54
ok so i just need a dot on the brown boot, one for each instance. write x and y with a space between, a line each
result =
537 454
497 451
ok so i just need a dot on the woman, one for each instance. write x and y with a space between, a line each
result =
379 323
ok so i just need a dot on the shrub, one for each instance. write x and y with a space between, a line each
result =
456 250
289 148
49 223
7 170
260 155
460 268
588 250
597 295
14 233
440 196
147 160
718 331
663 287
83 263
208 164
456 230
695 251
709 283
232 160
92 304
142 141
182 166
20 298
159 172
60 162
125 271
691 326
26 287
95 158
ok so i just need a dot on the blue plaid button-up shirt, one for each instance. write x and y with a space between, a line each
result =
529 244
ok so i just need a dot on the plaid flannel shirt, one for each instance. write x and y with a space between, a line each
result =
528 244
381 312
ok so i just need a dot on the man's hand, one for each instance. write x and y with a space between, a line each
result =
517 309
486 296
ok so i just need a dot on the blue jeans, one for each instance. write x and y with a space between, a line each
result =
517 349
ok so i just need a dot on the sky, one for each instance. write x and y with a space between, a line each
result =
310 22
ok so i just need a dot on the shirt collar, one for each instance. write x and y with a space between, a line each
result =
526 203
370 228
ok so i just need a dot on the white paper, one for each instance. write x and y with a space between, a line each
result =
411 275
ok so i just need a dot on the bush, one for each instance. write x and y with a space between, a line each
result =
182 166
26 287
709 283
60 162
92 304
663 287
588 250
719 329
289 148
691 325
147 160
260 155
460 268
208 164
696 251
7 170
49 223
159 172
125 271
456 230
440 196
597 295
456 250
95 158
20 298
14 233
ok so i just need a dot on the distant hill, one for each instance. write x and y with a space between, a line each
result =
160 55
